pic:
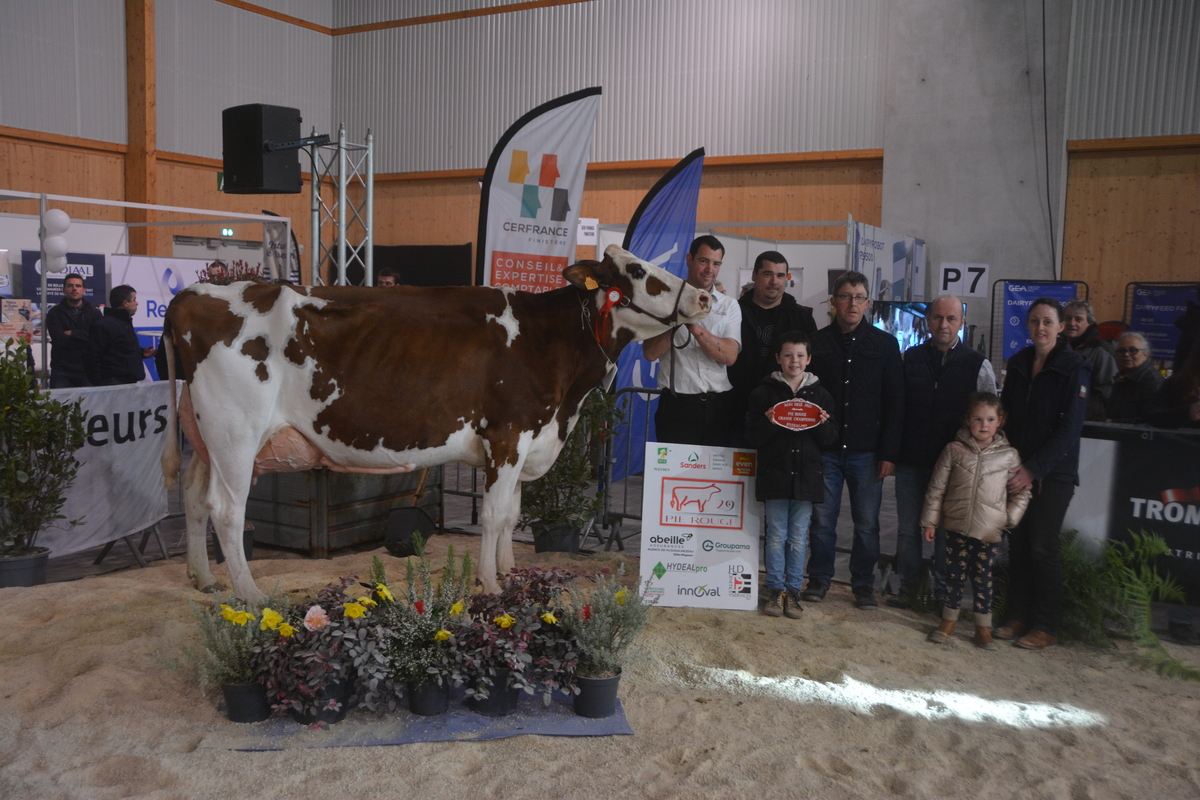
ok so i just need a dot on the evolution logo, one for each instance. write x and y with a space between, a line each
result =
531 197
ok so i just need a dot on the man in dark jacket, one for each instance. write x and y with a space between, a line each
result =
768 312
70 325
118 353
1083 335
860 366
939 375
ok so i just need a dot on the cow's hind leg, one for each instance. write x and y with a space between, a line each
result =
227 504
195 509
501 506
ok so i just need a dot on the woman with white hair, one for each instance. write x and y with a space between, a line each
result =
1136 382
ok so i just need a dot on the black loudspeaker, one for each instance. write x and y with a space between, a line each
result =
401 525
248 168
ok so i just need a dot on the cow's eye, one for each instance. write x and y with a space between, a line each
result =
638 273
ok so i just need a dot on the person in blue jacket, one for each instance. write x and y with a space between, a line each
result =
1045 396
117 352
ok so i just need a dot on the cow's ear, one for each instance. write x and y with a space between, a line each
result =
585 275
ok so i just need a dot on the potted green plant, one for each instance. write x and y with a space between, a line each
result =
419 627
230 634
38 440
332 657
556 506
604 622
514 641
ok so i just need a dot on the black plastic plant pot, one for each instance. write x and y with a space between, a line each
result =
246 702
429 699
597 697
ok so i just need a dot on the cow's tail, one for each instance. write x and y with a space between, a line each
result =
171 457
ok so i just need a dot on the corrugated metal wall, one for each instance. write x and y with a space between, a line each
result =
316 11
347 13
212 56
1135 69
734 77
62 68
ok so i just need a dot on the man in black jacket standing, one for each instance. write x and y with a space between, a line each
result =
860 366
939 375
70 325
768 312
118 352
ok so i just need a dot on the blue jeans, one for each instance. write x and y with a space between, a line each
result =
860 471
787 542
911 483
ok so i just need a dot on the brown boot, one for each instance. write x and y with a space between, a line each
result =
943 632
1009 630
983 638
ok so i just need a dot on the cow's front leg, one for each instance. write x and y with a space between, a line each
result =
195 510
501 497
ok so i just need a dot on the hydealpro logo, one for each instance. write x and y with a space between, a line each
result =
548 175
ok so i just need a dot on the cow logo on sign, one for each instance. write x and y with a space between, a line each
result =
696 503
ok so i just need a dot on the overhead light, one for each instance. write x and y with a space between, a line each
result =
227 231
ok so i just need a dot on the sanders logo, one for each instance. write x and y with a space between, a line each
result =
693 462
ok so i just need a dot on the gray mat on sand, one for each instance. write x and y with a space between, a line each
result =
363 729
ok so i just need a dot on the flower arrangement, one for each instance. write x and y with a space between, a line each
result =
221 274
519 630
420 625
230 633
605 621
338 636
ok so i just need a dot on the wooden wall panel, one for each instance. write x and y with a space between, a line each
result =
27 166
1131 215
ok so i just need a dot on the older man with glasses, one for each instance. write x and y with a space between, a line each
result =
860 366
1136 382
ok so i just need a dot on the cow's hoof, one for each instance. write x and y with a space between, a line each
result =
213 588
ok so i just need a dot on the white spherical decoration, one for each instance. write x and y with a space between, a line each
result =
56 264
55 246
56 222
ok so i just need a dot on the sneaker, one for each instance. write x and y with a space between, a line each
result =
815 592
864 598
773 608
791 606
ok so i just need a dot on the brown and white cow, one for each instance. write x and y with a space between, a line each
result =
284 378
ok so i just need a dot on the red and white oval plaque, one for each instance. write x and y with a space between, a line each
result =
796 415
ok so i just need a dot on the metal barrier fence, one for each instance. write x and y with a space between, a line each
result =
623 498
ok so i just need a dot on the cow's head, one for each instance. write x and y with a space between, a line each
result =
650 300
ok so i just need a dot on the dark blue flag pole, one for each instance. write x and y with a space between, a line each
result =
660 232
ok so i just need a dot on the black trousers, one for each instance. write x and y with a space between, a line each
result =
1035 583
701 419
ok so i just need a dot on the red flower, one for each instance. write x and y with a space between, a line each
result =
419 606
586 613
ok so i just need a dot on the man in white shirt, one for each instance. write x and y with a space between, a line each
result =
695 407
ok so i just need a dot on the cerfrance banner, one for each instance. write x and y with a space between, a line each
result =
1018 297
660 232
894 264
1154 311
700 526
531 193
90 266
119 488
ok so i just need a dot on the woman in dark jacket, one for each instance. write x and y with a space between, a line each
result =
1045 397
790 472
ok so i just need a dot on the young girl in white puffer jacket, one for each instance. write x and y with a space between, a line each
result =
968 496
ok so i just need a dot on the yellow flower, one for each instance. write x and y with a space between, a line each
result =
286 630
384 592
366 602
456 608
441 635
270 620
505 621
235 616
621 595
353 610
549 618
227 612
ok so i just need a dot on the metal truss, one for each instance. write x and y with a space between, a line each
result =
343 164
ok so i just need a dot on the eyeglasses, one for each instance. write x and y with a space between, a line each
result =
1128 351
858 299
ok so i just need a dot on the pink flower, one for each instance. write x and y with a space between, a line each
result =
419 606
316 618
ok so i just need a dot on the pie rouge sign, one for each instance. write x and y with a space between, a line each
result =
796 415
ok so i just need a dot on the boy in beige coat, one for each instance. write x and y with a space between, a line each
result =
968 496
